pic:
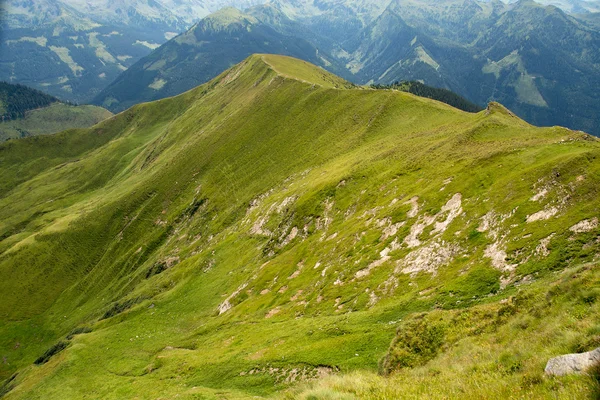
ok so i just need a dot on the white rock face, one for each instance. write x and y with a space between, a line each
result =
572 363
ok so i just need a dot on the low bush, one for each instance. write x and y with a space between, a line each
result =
57 348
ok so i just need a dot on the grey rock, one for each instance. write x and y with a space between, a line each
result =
572 363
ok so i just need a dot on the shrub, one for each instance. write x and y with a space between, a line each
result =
416 342
118 308
57 348
78 331
8 385
509 363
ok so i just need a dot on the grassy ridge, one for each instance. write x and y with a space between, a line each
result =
260 230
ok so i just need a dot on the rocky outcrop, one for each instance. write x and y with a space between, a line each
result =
572 363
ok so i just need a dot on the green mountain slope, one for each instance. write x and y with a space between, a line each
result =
54 118
16 100
215 43
28 112
277 225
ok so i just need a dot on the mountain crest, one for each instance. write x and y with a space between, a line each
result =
293 68
225 19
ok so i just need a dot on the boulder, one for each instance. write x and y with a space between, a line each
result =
572 363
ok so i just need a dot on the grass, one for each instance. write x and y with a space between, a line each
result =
231 242
52 119
496 350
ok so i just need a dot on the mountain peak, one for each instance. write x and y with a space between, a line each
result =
283 66
225 19
293 68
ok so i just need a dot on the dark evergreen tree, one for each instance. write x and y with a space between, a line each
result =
443 95
16 100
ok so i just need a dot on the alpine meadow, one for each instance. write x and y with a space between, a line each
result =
292 201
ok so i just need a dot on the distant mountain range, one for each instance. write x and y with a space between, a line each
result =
74 48
538 61
541 60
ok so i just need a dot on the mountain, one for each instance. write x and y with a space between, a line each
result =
539 61
69 54
592 19
180 13
549 66
574 6
280 233
16 100
482 50
335 19
73 48
215 43
29 112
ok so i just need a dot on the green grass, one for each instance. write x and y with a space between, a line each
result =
51 119
228 243
494 351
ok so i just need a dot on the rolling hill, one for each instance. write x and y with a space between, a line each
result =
28 112
280 233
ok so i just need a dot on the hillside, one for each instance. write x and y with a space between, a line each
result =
54 118
214 44
29 112
278 232
16 100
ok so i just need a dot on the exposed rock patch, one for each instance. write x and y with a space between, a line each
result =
542 248
428 258
226 305
452 208
540 194
414 207
586 225
544 214
384 256
572 363
273 312
497 255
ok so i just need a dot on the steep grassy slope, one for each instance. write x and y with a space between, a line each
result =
277 224
54 118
